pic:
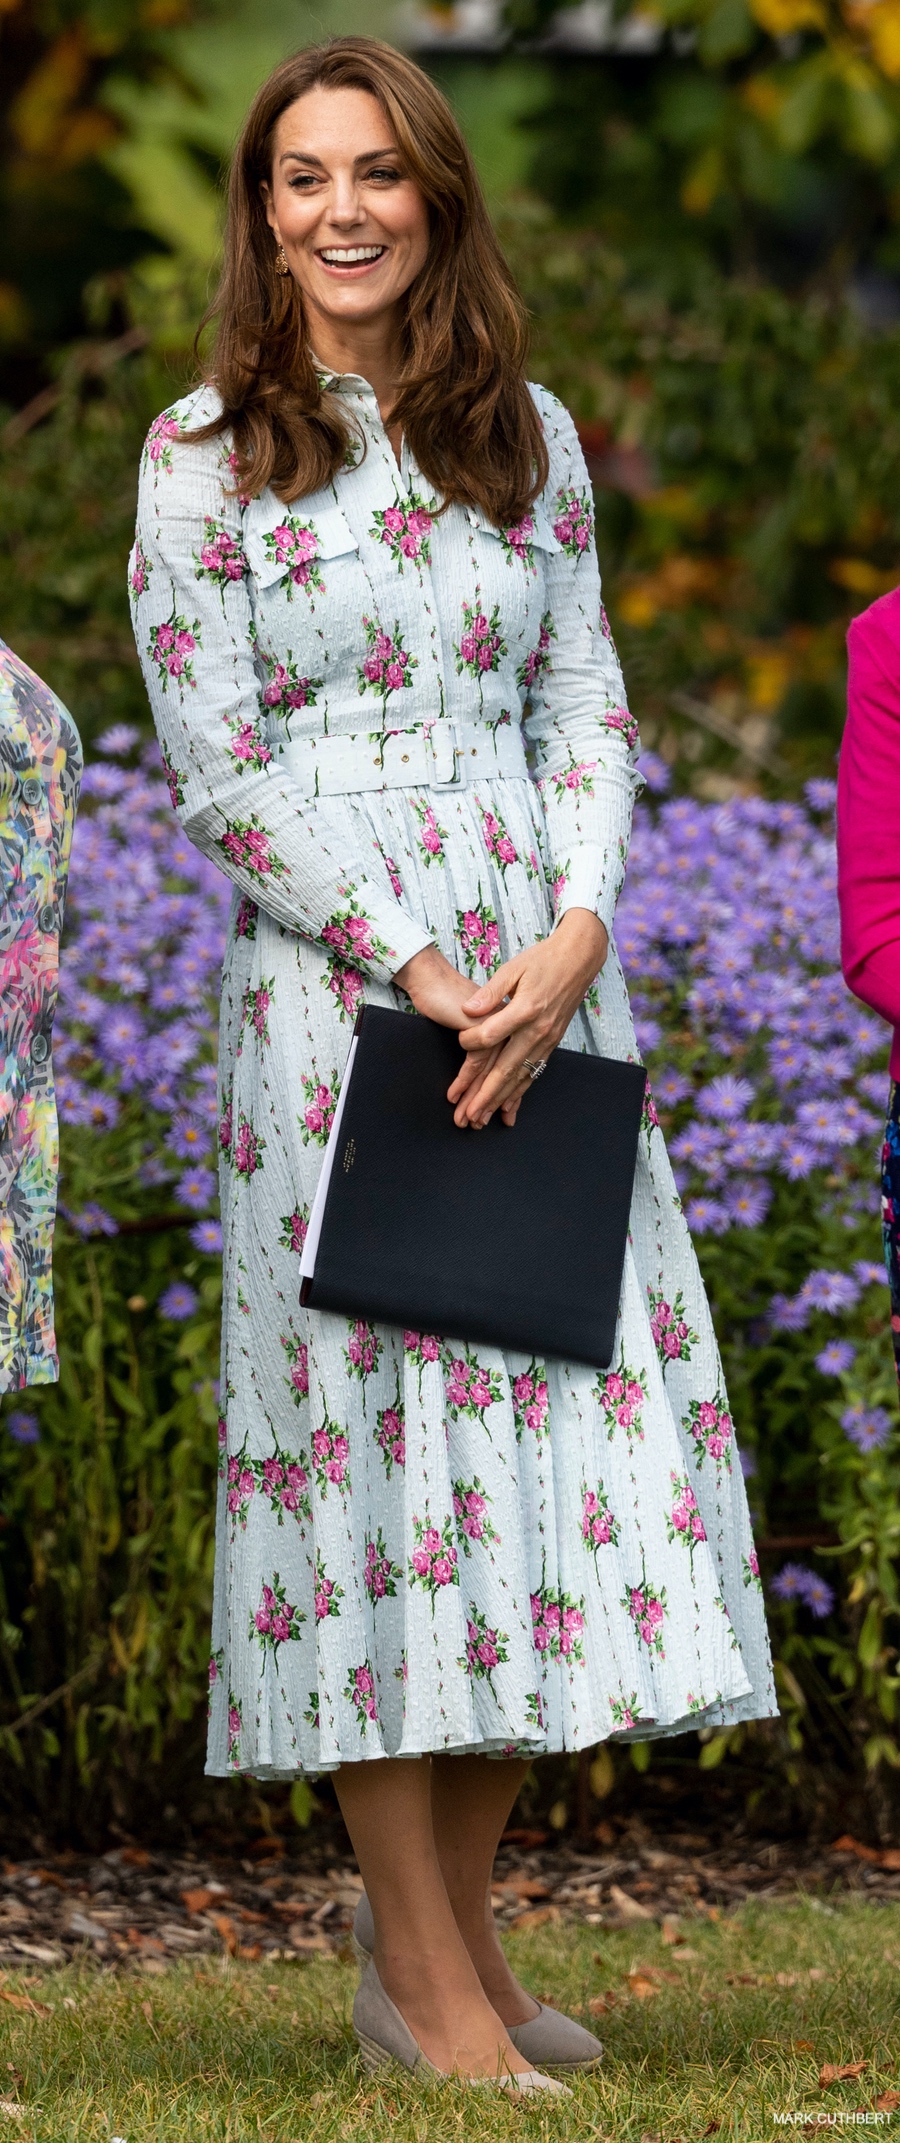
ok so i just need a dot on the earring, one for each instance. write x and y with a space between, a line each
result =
281 262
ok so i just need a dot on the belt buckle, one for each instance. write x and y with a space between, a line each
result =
457 779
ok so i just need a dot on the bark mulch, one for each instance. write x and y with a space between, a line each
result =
136 1909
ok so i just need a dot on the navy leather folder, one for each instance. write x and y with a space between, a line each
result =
516 1238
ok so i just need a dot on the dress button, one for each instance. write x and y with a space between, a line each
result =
47 917
40 1049
32 790
474 751
405 758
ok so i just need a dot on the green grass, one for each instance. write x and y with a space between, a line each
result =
224 2052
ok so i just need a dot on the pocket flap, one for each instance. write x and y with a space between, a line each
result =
281 540
532 533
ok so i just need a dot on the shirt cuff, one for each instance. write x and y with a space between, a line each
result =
589 878
399 934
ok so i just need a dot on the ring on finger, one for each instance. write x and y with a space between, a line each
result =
534 1067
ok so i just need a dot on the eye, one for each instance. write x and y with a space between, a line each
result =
384 171
302 181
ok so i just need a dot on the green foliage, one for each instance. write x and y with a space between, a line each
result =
68 488
747 452
762 134
107 1562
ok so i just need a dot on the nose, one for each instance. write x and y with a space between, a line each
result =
344 207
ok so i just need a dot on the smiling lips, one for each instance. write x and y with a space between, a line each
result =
351 259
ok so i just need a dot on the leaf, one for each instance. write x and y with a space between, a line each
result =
887 2102
844 2072
24 2002
225 1927
642 1986
869 1643
629 1907
671 1931
600 2003
538 1916
713 2128
197 1900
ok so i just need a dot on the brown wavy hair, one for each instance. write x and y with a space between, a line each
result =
463 401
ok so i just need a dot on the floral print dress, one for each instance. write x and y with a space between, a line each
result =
424 1544
40 772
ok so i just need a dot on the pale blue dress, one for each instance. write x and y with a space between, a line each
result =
424 1544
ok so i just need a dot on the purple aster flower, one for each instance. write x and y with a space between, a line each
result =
825 1290
792 1581
153 1170
819 1596
799 1159
820 795
836 1357
93 1220
708 1216
789 1313
670 1087
869 1273
178 1301
189 1137
748 1203
118 740
726 1096
867 1427
23 1428
206 1235
748 1464
657 775
121 1032
196 1188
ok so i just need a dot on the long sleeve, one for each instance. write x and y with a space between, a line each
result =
868 802
195 637
583 740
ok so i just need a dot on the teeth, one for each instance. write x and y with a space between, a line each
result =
345 255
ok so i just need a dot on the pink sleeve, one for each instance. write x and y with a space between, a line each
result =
868 811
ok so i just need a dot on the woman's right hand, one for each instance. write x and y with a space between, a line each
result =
439 992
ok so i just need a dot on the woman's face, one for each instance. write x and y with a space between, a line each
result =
353 225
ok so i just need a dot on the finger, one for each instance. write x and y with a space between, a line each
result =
507 1079
475 1066
498 1026
490 994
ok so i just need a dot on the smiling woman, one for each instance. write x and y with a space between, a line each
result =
364 576
350 147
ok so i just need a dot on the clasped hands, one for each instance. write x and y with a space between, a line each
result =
544 986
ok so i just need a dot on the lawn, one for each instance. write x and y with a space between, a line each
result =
721 2031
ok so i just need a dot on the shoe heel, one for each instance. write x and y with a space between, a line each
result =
371 2054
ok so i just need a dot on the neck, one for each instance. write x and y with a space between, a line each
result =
373 348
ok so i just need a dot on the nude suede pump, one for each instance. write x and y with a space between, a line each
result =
549 2038
383 2037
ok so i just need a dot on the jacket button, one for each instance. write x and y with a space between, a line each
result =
32 790
40 1049
47 916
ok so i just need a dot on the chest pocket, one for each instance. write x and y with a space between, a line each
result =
291 543
528 545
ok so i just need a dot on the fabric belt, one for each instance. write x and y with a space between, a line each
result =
445 755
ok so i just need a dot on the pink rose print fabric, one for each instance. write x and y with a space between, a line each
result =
423 1542
40 772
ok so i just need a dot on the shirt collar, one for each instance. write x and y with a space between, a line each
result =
340 382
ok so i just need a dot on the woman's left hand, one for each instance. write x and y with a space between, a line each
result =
544 985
